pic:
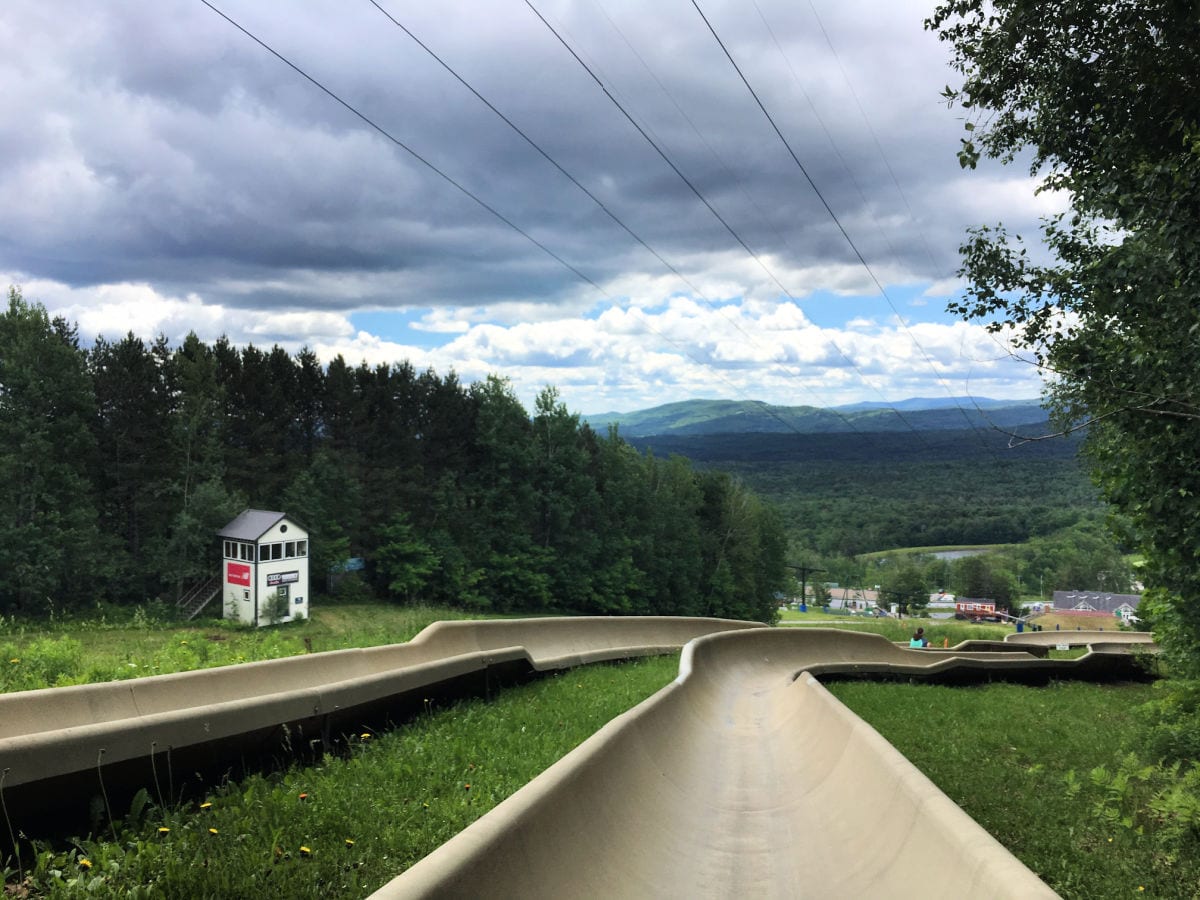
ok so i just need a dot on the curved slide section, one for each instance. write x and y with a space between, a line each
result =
58 732
745 778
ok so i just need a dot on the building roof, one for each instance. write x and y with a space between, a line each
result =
251 524
1101 602
840 598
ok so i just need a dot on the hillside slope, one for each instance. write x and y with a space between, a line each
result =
708 417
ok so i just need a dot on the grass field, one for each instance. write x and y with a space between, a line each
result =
1042 769
1047 772
83 650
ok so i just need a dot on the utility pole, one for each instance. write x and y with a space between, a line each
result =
804 571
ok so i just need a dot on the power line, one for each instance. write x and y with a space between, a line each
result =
407 149
895 181
705 201
348 106
590 195
825 203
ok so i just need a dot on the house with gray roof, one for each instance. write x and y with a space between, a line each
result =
1121 605
264 568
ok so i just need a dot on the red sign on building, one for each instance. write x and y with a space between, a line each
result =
237 573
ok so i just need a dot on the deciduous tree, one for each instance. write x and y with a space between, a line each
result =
1102 98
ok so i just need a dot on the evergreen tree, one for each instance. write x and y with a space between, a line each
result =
50 546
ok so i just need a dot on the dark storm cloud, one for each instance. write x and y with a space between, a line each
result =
156 143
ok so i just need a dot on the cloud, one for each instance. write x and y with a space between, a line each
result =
201 184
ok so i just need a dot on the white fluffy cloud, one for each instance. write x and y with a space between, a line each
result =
622 359
198 184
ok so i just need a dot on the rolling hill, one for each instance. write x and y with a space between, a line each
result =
711 417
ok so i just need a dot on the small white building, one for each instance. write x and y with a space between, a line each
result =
265 577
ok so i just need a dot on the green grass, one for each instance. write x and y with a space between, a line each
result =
937 630
85 650
346 826
1004 754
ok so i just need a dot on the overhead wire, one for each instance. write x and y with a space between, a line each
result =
529 237
589 194
466 191
825 203
687 181
903 197
403 146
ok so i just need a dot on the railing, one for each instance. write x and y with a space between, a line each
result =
197 597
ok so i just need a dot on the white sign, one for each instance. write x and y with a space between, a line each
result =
1062 646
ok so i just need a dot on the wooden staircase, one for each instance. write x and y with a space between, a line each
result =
196 598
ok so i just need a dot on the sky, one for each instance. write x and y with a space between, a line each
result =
580 193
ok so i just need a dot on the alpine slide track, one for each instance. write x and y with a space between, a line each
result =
698 791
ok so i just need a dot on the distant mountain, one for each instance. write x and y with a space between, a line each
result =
707 417
919 403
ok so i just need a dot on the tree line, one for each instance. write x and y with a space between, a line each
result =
119 462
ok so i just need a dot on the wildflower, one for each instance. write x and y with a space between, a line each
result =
14 661
207 804
164 830
304 795
85 863
213 831
466 787
183 643
305 851
349 842
365 736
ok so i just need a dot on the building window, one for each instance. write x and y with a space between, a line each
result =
302 548
229 550
246 594
289 549
247 552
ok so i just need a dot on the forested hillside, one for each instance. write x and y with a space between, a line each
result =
849 494
717 417
119 462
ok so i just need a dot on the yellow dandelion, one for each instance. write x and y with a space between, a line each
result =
14 661
207 804
85 863
305 851
349 842
164 830
213 831
183 643
365 736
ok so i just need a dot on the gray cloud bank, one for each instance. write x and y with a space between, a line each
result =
156 143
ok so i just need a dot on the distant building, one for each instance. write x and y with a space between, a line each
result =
1122 605
265 560
974 608
941 600
852 598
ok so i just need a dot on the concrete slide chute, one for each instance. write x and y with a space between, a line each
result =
744 777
